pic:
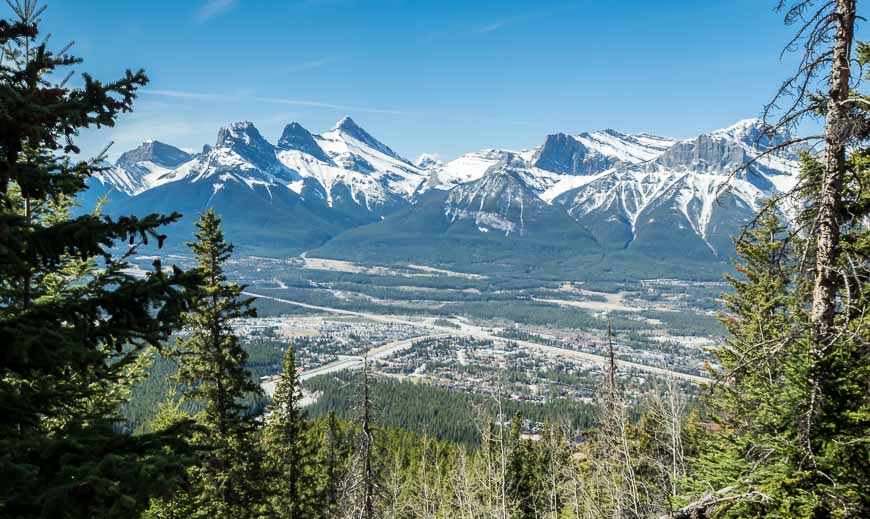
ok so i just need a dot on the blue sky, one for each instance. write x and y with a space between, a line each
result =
429 76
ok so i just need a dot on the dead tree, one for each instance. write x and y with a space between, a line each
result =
615 463
821 84
363 486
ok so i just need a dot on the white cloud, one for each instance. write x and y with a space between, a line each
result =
211 8
490 27
202 96
308 65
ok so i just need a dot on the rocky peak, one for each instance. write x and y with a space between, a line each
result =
245 139
241 134
156 152
562 153
296 137
350 128
722 151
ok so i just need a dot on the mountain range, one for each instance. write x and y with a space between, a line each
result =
597 202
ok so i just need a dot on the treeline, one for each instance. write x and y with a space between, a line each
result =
436 412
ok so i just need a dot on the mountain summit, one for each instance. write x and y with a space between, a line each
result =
141 168
591 153
350 128
296 137
635 198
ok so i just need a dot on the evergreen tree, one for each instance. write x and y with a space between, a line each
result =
72 321
332 460
290 450
211 363
756 457
180 504
523 472
793 404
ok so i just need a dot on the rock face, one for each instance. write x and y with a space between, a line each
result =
245 140
596 152
296 137
685 197
155 152
707 153
565 154
497 202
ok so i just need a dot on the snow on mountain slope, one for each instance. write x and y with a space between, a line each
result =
496 201
296 137
642 199
366 190
473 166
428 161
240 155
143 168
595 152
560 163
348 163
469 167
627 148
608 190
505 200
683 188
352 148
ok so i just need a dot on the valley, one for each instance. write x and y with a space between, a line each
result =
535 342
496 274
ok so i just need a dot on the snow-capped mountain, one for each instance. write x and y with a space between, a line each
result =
348 168
142 168
504 200
295 194
240 155
354 149
595 152
428 161
576 196
687 194
470 167
650 201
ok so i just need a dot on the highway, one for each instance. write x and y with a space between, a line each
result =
467 331
351 361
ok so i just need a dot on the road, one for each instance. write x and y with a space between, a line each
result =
352 361
477 333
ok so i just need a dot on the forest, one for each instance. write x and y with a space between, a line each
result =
781 432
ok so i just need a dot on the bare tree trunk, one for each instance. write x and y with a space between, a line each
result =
368 473
363 485
830 199
828 233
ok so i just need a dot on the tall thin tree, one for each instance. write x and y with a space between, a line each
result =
211 363
289 449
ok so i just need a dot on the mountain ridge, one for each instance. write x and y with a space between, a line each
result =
611 192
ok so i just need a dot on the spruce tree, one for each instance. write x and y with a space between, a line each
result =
290 450
73 322
332 460
211 363
792 403
755 459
